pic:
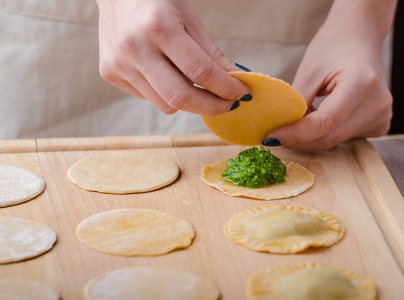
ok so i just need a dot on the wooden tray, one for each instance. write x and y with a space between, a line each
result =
352 183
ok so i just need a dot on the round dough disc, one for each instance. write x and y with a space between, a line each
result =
18 185
150 283
132 232
297 180
22 288
122 172
275 103
21 239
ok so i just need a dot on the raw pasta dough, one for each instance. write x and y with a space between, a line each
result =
21 239
18 185
135 232
122 172
297 180
275 103
151 284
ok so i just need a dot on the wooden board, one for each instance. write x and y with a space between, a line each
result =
351 182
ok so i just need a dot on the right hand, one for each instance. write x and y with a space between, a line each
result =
158 49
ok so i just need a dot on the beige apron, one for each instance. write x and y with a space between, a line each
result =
49 80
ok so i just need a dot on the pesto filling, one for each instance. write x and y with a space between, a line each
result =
254 168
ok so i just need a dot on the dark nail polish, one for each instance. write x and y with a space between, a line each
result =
242 67
246 98
234 106
271 142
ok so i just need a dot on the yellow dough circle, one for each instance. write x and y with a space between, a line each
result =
133 231
308 281
123 172
18 185
283 229
297 180
21 239
151 284
275 103
21 288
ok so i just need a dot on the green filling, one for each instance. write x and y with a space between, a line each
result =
254 168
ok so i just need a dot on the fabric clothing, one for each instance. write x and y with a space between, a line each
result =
50 84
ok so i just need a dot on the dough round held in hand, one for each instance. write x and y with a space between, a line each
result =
18 185
297 180
283 229
275 103
132 232
21 239
309 281
151 284
22 288
123 172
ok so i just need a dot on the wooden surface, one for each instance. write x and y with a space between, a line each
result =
352 183
391 150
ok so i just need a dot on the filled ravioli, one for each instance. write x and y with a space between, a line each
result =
283 229
308 281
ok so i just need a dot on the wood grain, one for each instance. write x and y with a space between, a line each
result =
391 150
197 140
104 143
18 146
351 183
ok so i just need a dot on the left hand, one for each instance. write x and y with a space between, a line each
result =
343 62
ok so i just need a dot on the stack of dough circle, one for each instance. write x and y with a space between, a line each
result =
297 180
18 185
275 103
21 239
123 172
22 288
283 229
309 281
131 232
151 284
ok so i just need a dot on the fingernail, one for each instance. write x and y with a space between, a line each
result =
271 142
234 106
246 98
242 67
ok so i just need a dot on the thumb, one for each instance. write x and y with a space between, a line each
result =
291 135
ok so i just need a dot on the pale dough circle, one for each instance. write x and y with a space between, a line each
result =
297 180
275 103
151 284
122 172
22 288
283 229
18 185
21 239
308 281
131 232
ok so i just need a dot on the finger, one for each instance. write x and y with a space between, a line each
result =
198 66
136 85
128 88
379 128
173 88
376 124
150 95
331 114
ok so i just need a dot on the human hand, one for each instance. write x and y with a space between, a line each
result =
158 49
343 62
